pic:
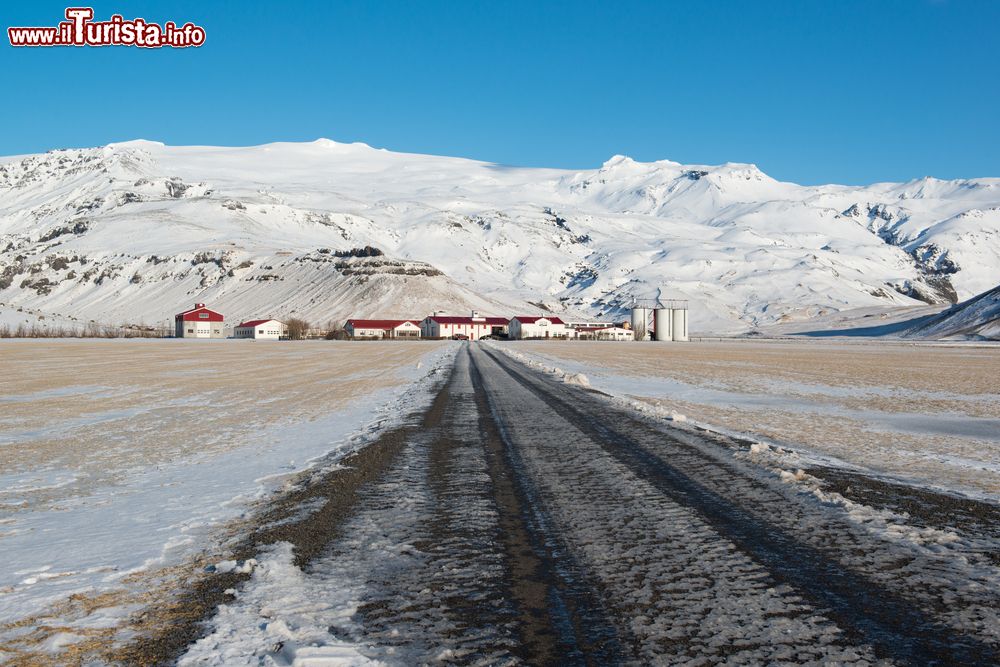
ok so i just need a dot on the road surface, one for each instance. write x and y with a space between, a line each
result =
528 521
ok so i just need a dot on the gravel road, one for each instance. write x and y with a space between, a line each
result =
529 521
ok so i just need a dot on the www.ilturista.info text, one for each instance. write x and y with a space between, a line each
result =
79 29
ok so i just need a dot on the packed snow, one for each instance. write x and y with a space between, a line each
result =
282 616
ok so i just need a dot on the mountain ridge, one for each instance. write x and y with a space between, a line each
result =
746 249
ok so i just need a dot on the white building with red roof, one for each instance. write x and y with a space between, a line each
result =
261 330
199 322
528 326
471 327
606 332
357 328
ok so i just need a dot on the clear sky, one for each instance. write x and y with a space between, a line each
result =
840 91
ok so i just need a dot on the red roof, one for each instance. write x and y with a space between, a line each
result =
523 319
254 323
459 319
194 315
379 324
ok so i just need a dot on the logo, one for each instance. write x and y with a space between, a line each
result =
79 29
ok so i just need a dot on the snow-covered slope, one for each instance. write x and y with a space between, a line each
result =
979 317
136 231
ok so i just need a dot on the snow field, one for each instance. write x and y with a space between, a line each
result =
127 462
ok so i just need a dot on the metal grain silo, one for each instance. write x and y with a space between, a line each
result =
680 320
640 319
663 324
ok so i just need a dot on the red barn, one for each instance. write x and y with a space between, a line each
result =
199 322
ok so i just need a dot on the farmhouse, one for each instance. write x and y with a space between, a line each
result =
474 327
382 328
524 326
261 330
199 322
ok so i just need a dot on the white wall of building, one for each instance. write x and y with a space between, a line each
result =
270 330
367 332
196 329
404 330
474 330
540 328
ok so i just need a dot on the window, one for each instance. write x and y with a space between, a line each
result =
203 316
190 330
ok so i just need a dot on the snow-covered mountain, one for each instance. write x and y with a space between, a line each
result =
137 231
979 317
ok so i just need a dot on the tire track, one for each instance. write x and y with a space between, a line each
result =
561 620
678 590
486 581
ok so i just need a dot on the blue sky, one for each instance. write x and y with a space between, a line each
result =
810 91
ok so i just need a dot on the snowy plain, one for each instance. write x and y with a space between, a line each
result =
123 461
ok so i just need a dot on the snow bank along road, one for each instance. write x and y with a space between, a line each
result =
524 520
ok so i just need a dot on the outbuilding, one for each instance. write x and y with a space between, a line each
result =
580 324
199 322
261 330
525 326
357 328
604 333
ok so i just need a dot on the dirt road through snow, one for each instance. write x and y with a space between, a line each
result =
527 521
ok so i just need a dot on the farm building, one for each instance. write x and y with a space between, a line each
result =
199 322
382 328
524 326
603 333
596 325
261 330
473 327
